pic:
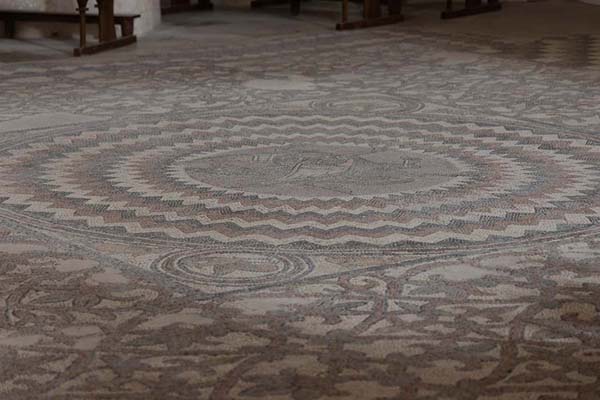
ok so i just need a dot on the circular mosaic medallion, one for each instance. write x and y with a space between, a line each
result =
232 269
308 171
309 181
373 104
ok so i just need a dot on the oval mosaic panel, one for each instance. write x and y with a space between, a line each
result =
232 270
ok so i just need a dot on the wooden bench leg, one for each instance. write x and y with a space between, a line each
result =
82 9
107 35
372 9
395 7
295 7
127 27
472 7
205 5
372 15
9 28
106 20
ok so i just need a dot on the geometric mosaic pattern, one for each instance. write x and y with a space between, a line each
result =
319 180
571 51
575 50
361 216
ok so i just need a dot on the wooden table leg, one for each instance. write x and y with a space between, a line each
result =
82 9
106 20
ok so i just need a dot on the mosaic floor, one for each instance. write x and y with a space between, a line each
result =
379 214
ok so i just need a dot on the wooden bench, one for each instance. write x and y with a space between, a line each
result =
106 20
471 7
372 14
11 17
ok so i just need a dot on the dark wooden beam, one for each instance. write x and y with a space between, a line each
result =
368 23
266 3
97 48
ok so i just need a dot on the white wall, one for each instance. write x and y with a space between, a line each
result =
148 9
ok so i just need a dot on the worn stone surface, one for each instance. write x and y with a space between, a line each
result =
382 214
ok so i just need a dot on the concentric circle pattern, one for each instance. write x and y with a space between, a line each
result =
317 180
231 269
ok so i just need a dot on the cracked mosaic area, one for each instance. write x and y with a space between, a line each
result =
408 221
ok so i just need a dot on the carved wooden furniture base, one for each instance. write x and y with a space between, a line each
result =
97 48
107 36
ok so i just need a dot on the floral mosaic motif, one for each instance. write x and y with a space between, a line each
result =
519 322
